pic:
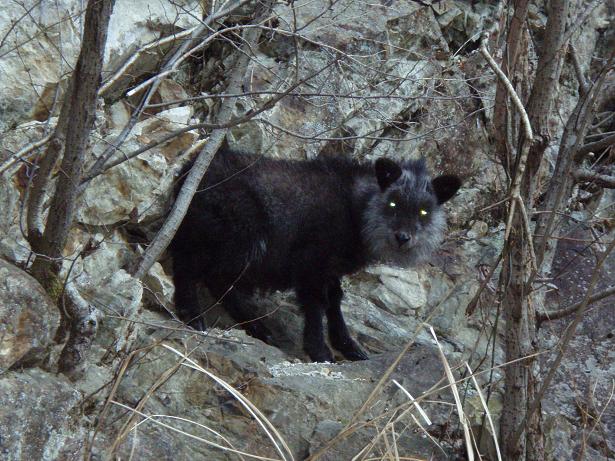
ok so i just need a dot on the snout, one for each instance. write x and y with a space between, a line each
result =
404 238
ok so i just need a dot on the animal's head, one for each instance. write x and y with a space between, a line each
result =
404 221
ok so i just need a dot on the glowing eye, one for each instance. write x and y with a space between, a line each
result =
423 212
392 204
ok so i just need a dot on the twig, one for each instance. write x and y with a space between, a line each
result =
529 136
155 44
222 125
528 233
301 94
474 301
185 51
23 153
580 19
174 60
511 91
99 164
583 86
574 132
15 22
566 311
121 371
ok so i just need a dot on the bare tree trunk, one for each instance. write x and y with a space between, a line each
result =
519 301
79 108
501 114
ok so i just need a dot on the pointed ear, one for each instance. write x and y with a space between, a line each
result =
387 172
445 187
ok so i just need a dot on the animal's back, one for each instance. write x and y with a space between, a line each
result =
255 216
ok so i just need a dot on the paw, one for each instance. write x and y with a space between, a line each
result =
259 331
350 349
355 354
198 324
320 354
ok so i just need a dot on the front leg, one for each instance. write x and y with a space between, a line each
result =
338 331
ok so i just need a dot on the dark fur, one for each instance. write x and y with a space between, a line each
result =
259 223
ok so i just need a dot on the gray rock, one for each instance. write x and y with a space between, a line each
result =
139 189
28 318
308 403
37 417
13 245
42 47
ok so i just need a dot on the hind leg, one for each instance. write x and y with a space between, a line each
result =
240 307
186 298
338 331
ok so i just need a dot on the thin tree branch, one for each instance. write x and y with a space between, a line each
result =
511 91
583 85
108 82
184 51
471 307
99 164
573 134
566 311
24 152
266 105
580 19
501 114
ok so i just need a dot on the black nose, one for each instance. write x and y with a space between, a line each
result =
402 238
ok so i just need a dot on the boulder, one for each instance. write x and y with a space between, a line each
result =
28 318
37 412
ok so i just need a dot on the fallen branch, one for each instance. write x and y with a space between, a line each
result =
594 147
602 180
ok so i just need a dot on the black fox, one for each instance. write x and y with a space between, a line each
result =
260 223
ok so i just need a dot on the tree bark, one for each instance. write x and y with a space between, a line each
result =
79 108
501 113
518 299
